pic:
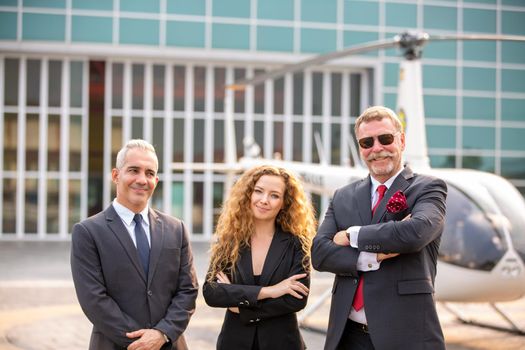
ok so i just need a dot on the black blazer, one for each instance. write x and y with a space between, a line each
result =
272 321
112 288
399 297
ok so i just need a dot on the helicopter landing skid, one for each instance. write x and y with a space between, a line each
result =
513 327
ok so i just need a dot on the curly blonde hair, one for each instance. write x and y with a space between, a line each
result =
235 226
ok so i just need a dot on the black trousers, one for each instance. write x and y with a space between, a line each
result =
355 338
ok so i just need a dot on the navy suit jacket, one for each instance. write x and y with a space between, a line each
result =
399 296
273 321
111 285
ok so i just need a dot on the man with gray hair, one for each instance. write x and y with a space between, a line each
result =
132 265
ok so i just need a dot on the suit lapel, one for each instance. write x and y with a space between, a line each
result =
244 266
157 241
278 247
362 200
401 183
119 230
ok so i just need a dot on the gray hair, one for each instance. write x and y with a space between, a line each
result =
378 113
131 144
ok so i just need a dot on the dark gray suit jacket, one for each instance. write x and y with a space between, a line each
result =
399 297
272 321
111 285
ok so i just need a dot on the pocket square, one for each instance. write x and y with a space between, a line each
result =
397 203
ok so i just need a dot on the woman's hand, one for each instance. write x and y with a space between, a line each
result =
291 286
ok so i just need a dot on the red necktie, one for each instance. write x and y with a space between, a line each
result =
359 300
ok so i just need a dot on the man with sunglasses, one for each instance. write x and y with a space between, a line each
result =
380 237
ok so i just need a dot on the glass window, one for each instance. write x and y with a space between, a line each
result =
439 77
52 206
116 139
137 127
278 96
11 66
479 108
298 85
335 149
219 80
512 52
318 40
199 89
231 8
479 79
218 190
239 96
152 6
336 81
31 206
218 141
278 139
45 3
10 141
187 7
9 206
513 22
440 49
443 161
512 139
33 83
137 77
198 140
139 31
9 25
92 5
361 12
442 107
441 136
157 200
479 163
185 34
297 142
400 15
352 38
32 141
391 76
317 132
92 29
198 207
239 136
479 138
258 95
275 9
440 17
46 27
258 132
53 143
179 87
158 87
513 168
355 94
512 109
317 93
117 84
479 50
476 20
75 84
389 100
178 140
230 36
158 132
319 11
177 199
54 83
74 203
513 80
275 38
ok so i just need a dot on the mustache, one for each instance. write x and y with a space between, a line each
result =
382 154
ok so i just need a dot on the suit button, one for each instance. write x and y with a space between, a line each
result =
257 320
247 303
150 293
355 280
252 321
369 266
241 303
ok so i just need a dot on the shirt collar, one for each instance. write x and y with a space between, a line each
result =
387 183
127 215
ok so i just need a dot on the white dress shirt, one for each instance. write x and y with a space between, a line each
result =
127 216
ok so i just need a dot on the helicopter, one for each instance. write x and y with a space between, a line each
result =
482 252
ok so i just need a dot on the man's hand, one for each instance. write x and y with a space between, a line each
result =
341 238
384 256
148 339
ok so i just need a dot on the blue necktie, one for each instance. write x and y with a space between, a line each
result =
142 243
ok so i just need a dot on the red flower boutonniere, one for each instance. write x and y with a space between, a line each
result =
397 203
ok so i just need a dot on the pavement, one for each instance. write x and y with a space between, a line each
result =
39 309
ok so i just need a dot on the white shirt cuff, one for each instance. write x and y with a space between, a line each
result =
367 262
353 235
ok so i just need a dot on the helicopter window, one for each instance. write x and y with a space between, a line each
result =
470 238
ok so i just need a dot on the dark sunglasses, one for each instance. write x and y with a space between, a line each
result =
384 139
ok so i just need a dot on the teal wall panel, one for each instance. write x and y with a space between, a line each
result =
351 38
92 4
319 11
513 52
513 80
274 38
92 29
10 3
391 77
401 15
37 26
56 4
361 12
275 9
441 77
440 49
318 40
482 108
185 34
231 8
479 79
149 6
8 25
479 51
187 7
513 22
440 17
441 136
513 109
438 106
230 36
475 20
512 139
390 100
479 138
139 31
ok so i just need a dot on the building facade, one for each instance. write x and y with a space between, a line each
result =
80 77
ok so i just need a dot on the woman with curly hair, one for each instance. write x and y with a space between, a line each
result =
260 262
